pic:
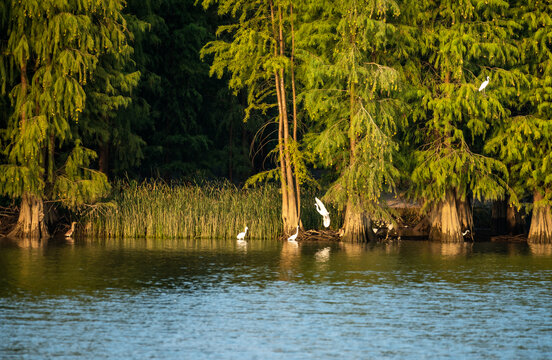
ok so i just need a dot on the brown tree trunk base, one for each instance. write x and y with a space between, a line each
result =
514 221
465 215
30 223
357 226
541 223
445 224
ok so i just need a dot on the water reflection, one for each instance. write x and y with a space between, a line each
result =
203 298
290 256
242 245
452 249
541 249
323 255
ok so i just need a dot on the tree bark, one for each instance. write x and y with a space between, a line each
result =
514 221
445 224
293 219
31 223
289 197
541 222
465 215
294 102
357 225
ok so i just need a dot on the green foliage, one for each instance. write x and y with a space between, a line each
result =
524 141
109 91
79 184
180 210
52 51
350 95
458 47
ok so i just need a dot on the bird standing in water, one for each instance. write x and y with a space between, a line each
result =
294 236
241 235
70 231
322 211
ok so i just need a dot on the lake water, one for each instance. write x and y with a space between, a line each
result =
216 299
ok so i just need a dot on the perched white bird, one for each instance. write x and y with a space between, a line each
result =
465 232
484 84
294 236
241 235
70 231
322 211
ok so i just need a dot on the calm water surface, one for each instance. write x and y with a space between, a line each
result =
216 299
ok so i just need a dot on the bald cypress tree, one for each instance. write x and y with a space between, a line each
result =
459 47
256 49
524 141
349 96
104 126
51 53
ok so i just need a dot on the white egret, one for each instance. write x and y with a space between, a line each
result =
484 84
465 232
322 211
294 236
241 235
70 231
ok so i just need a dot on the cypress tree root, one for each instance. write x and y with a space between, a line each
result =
541 226
30 224
444 220
357 226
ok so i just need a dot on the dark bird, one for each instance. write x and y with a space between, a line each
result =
70 231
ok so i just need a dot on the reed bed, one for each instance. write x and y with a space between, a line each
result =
156 209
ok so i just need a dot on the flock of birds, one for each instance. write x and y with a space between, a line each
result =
319 207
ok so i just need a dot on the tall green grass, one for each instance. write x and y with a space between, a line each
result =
156 209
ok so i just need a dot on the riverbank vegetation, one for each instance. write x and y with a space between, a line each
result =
357 99
156 209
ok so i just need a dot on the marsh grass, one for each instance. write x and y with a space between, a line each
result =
156 209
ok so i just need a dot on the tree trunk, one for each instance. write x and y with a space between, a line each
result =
357 225
293 210
104 158
541 222
514 221
294 102
445 224
30 223
465 215
498 217
289 197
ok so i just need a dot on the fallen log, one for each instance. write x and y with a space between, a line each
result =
316 235
509 238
